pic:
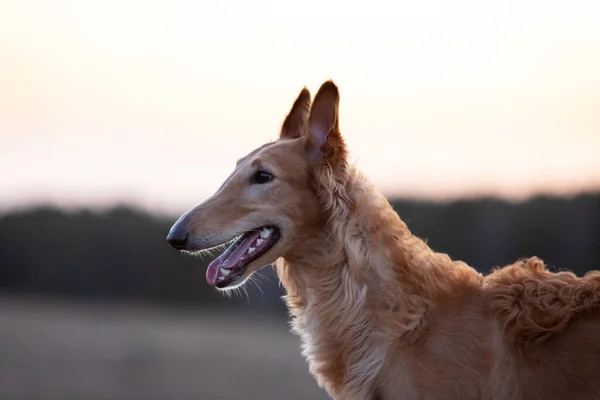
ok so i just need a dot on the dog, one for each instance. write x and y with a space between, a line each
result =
380 314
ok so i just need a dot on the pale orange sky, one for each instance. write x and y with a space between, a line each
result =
152 102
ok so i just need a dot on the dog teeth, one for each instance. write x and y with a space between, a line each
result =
258 241
266 232
225 272
221 278
251 250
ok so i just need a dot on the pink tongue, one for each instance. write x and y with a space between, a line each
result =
229 258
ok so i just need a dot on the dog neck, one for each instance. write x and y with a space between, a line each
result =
364 245
338 276
363 276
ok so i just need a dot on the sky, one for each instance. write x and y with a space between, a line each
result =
150 103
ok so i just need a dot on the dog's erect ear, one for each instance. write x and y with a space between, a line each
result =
325 143
295 122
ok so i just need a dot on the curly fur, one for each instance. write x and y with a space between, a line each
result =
534 304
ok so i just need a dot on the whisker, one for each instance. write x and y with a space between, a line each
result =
210 251
247 295
265 277
253 280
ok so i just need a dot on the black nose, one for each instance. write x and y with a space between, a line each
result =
177 242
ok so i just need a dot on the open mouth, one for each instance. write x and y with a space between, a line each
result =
230 266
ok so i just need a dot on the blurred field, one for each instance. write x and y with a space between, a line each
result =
61 350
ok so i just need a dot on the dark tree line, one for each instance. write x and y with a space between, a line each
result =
122 253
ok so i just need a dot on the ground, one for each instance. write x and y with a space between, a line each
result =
75 350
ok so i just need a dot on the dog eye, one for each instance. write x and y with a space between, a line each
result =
261 177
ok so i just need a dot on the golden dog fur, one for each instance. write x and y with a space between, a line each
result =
383 316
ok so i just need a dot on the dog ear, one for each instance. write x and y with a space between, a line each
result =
325 143
295 122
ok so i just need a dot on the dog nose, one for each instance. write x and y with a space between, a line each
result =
177 242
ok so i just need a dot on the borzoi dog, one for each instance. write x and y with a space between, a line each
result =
381 315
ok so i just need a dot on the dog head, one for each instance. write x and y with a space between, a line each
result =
271 201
